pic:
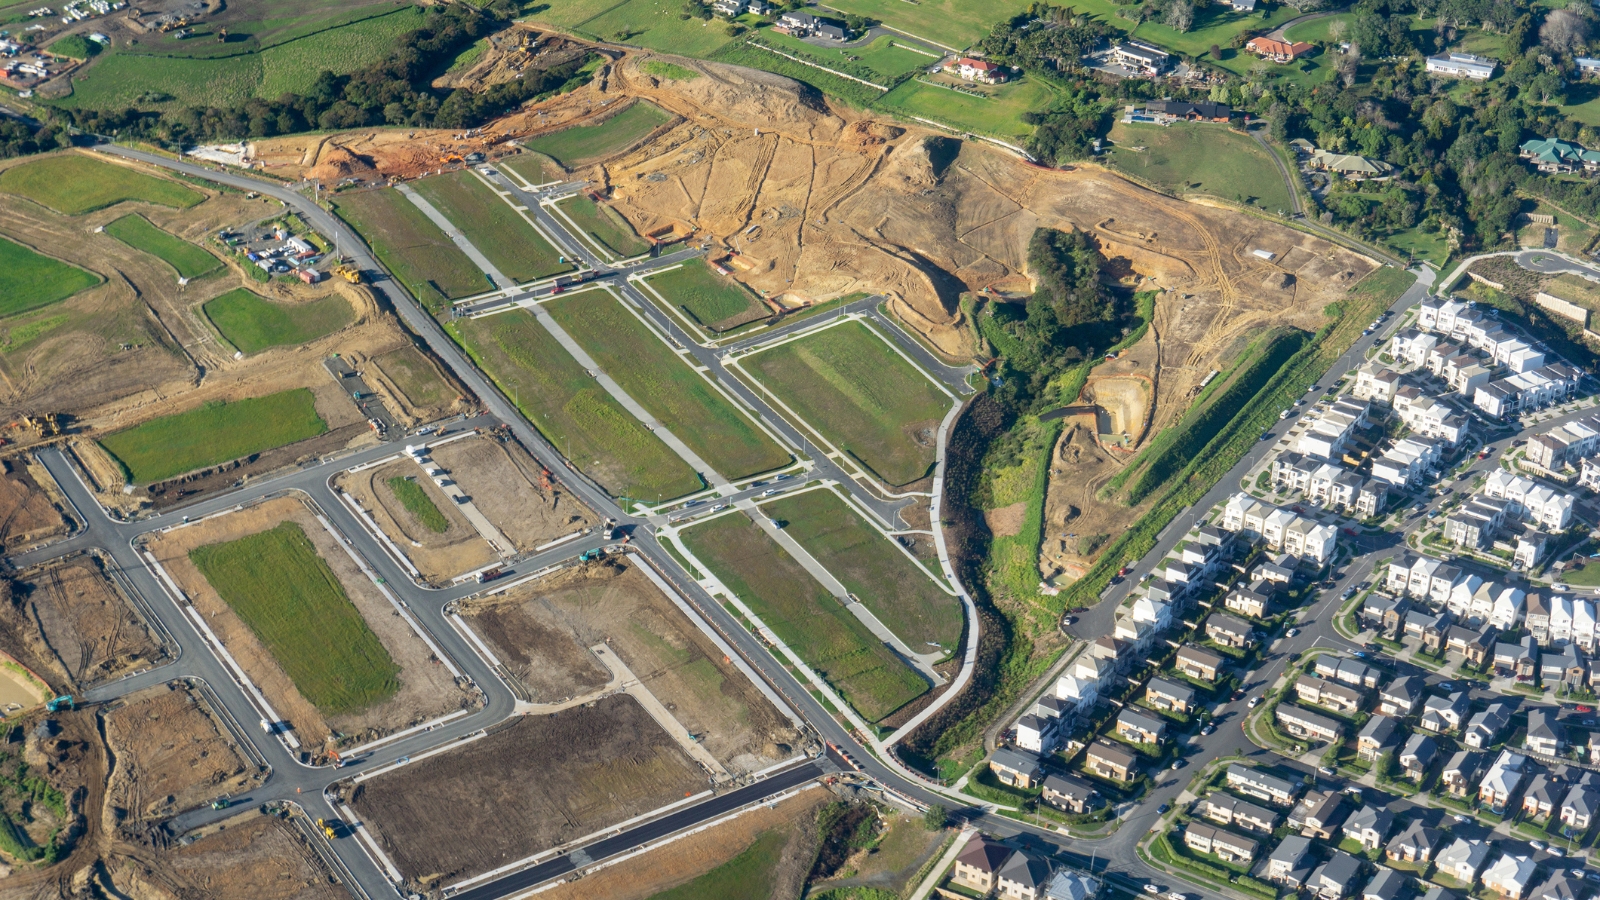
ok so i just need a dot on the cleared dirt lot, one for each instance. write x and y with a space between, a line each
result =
506 484
28 512
541 631
439 556
169 754
540 782
255 856
426 690
75 627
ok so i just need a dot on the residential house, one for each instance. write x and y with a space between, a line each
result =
1319 814
1349 165
1383 613
1594 748
1459 777
1538 618
1400 698
1228 631
1338 697
1555 156
1198 663
1337 878
978 863
1579 806
1164 694
1462 65
1199 111
1536 389
1290 863
1379 734
1219 842
1469 642
1067 885
1546 736
1463 860
1254 601
1445 715
1560 886
1303 723
1037 735
1369 826
1500 783
1417 755
1145 59
1348 671
1388 884
1226 809
980 70
1543 797
1510 876
1070 793
1133 725
1023 876
1484 728
1256 783
1276 50
1016 769
1416 844
1111 761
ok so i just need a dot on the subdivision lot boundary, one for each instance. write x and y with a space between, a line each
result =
457 237
861 511
554 241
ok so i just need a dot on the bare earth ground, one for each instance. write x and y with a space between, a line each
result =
77 623
426 687
29 515
665 868
254 856
505 483
168 755
542 781
542 630
439 557
414 385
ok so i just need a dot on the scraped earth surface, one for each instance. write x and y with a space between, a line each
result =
28 512
437 555
513 491
76 626
169 755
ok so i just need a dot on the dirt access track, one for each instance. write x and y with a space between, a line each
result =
539 782
427 689
70 623
542 630
505 483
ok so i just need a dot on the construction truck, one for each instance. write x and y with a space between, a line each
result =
348 272
488 575
221 803
327 827
46 425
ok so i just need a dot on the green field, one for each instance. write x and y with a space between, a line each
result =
717 302
585 142
822 632
214 433
999 113
953 23
120 78
188 260
73 184
862 395
669 71
665 385
750 874
653 24
252 323
296 606
881 56
1207 159
1320 31
498 231
29 280
419 504
571 410
899 593
408 244
604 225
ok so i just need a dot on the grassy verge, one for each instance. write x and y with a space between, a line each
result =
214 433
294 603
718 303
188 260
419 504
604 225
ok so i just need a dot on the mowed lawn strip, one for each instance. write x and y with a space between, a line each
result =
805 616
498 231
296 606
861 394
583 142
188 260
214 433
605 225
713 300
74 185
572 410
664 384
252 323
899 593
416 501
29 280
408 244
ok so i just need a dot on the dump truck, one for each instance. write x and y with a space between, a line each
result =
488 575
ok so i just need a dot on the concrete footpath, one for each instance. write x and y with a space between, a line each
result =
473 253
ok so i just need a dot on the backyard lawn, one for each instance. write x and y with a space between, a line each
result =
188 260
584 142
29 280
666 386
1200 158
498 231
872 568
998 113
571 410
296 606
846 382
1318 31
73 184
716 302
408 244
216 432
804 616
252 323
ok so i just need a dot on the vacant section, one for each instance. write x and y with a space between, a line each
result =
864 397
438 553
188 260
170 754
664 384
571 410
302 613
827 636
1189 158
79 625
868 564
498 231
28 512
250 855
408 244
418 380
73 184
29 280
216 432
535 784
717 302
542 631
582 143
513 490
252 323
605 225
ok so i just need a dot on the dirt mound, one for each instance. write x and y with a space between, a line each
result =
337 162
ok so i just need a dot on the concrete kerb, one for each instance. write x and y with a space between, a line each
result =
554 211
457 237
642 284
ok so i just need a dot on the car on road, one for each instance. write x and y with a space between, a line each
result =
1238 694
1176 765
1177 895
1163 808
1314 388
1295 656
1556 851
1461 818
1537 845
1291 632
1326 770
1446 686
1366 332
1151 889
1360 654
1254 701
1349 592
1209 729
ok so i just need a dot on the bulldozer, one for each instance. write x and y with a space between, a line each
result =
46 425
174 24
348 272
327 829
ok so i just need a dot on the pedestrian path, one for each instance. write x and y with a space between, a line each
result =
633 687
455 235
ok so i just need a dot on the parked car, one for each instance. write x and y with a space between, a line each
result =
1326 770
1209 729
1176 765
1254 701
1461 818
1537 845
1556 851
1151 889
